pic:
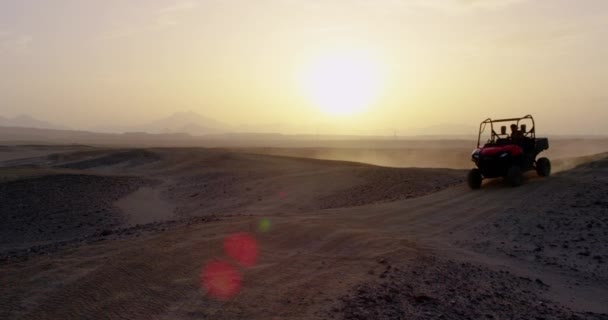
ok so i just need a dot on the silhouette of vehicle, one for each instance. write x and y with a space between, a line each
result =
508 155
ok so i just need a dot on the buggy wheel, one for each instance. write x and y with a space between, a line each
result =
474 179
514 176
543 167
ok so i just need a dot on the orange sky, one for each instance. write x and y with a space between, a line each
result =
408 64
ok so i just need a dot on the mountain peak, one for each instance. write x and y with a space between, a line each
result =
186 122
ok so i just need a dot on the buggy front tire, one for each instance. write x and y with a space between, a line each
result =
474 179
543 167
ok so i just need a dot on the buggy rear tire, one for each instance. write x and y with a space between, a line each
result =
514 176
474 179
543 167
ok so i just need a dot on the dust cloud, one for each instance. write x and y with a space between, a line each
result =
564 153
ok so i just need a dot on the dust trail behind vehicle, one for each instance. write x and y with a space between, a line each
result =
435 153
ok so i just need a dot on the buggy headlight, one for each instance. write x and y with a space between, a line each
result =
504 154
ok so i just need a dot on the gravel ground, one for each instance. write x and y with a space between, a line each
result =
392 184
435 288
36 211
566 226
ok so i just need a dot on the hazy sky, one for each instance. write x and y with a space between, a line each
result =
416 63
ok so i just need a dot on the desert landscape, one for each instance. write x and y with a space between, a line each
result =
200 233
304 159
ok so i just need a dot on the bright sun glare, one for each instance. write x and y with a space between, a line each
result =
342 84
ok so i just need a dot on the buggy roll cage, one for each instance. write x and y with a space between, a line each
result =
529 133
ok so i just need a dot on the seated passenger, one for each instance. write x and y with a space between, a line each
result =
516 135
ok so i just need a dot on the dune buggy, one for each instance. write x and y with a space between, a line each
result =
508 154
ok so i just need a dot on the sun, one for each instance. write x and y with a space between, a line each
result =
342 83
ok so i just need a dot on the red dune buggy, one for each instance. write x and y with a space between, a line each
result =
508 154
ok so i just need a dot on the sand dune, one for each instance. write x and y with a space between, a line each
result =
334 239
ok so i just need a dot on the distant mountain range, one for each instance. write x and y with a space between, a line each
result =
180 122
188 122
192 129
25 121
195 124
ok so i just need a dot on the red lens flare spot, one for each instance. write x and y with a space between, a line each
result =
221 280
243 248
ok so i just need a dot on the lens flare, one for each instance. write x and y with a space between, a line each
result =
243 248
221 280
264 225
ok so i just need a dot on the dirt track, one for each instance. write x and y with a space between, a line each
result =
449 254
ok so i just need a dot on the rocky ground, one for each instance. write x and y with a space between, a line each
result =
434 288
60 207
565 226
392 184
